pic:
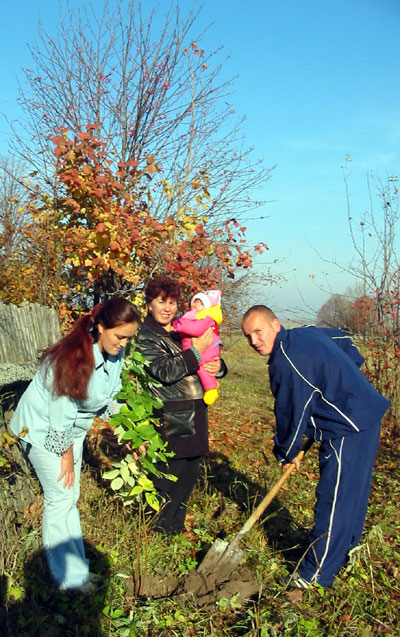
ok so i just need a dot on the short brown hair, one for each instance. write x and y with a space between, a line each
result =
261 309
164 286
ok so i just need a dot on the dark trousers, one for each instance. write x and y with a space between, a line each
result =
171 518
342 500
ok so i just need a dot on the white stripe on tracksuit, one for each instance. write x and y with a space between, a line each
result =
332 513
315 390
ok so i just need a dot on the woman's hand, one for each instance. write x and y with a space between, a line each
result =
213 367
67 468
203 342
140 453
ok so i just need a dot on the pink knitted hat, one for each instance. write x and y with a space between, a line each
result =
209 298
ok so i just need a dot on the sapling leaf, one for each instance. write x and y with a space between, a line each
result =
125 473
146 483
152 501
136 490
110 475
117 483
146 432
137 356
133 467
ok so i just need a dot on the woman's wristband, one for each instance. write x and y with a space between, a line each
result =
196 353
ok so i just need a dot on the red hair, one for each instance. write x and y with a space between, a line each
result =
72 359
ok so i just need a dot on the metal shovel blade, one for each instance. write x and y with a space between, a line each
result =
222 558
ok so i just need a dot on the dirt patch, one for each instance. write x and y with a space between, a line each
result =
155 586
205 589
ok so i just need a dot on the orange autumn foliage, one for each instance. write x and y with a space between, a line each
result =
98 234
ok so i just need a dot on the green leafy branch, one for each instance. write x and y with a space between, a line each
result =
136 427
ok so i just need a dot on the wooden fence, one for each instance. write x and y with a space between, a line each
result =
26 330
24 333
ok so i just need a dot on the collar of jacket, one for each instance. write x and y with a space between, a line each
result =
99 359
281 336
98 356
152 325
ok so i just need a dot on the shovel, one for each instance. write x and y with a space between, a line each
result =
223 557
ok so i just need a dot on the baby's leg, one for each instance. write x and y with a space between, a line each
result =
210 385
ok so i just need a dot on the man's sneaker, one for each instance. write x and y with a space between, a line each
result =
296 581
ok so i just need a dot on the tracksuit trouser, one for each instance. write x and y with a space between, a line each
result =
343 490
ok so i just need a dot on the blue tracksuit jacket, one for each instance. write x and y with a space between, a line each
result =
319 389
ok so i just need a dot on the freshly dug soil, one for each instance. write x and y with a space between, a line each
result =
203 588
206 589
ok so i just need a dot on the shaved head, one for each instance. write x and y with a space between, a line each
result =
261 309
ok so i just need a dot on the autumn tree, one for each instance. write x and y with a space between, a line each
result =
375 240
31 263
12 198
145 80
333 313
98 235
26 251
362 315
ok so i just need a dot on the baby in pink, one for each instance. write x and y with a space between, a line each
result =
205 312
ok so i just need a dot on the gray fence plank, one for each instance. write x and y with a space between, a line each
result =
25 332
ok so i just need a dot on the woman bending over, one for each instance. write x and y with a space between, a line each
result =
76 381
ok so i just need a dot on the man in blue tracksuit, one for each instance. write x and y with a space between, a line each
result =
320 392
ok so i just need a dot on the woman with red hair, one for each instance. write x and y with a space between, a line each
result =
77 380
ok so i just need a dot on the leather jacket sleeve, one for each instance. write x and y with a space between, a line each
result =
224 369
168 363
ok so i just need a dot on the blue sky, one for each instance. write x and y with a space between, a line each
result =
318 81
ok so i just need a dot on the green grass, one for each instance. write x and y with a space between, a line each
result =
364 600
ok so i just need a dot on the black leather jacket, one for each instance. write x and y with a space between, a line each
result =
176 370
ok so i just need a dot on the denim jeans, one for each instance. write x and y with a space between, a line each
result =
61 527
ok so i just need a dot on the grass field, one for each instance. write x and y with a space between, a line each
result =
364 600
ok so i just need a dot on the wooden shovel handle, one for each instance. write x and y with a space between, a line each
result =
273 491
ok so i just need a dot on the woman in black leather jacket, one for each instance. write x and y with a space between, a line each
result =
183 418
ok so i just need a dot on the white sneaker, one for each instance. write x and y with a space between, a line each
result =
296 581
